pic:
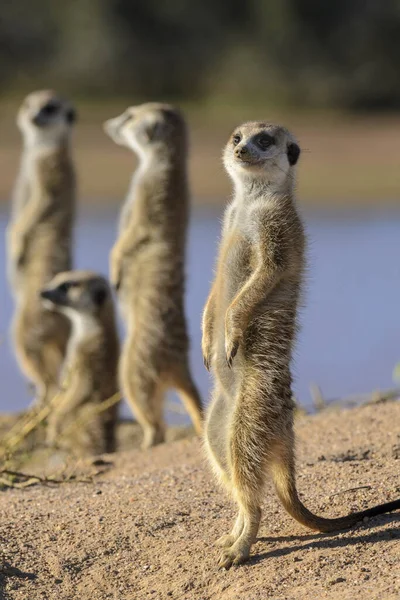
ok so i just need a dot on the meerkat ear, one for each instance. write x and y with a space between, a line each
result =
99 293
72 116
293 153
154 131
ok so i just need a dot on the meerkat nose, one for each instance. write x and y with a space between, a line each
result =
46 294
241 151
109 126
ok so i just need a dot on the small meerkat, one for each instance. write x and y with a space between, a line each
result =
147 266
39 235
90 370
249 326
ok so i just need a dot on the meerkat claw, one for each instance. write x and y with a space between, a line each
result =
230 355
230 557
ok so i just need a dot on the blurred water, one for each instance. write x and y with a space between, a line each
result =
350 336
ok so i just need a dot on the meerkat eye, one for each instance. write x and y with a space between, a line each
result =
236 139
67 285
64 287
265 141
50 108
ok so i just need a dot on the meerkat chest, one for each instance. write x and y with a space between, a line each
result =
234 265
236 246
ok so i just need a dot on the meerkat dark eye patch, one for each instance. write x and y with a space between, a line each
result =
51 108
67 285
293 153
63 288
264 141
236 139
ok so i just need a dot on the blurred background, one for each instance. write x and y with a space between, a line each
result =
327 70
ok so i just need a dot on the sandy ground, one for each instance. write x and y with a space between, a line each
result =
346 160
145 527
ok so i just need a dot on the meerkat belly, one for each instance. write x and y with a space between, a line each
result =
48 253
271 331
152 293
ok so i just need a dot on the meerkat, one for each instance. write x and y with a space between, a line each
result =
90 371
39 235
249 326
147 266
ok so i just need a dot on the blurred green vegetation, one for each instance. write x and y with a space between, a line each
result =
304 53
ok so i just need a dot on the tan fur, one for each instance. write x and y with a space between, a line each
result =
89 373
147 266
39 235
249 326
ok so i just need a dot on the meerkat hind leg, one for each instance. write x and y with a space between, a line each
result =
248 452
152 421
215 438
216 433
249 520
146 401
190 397
227 540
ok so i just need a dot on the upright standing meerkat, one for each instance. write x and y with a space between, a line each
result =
249 326
39 235
147 266
90 370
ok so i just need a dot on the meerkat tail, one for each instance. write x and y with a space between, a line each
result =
284 481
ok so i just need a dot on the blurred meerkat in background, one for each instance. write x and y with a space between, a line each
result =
39 235
147 266
90 371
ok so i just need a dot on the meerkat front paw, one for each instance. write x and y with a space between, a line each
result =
206 351
207 362
233 337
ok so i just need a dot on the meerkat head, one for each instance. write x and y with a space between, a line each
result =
261 150
45 118
77 294
147 128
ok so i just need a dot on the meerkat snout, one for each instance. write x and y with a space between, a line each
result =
241 151
111 127
49 298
